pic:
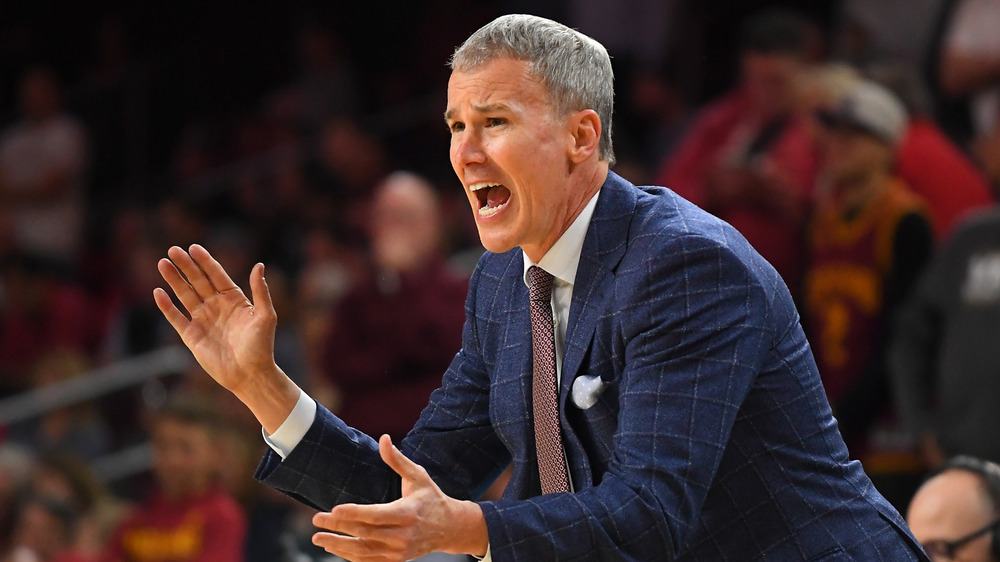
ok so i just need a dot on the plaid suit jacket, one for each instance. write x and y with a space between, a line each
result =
712 438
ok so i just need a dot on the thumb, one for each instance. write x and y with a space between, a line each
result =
259 291
404 467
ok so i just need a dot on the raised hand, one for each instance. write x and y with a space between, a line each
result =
423 520
230 336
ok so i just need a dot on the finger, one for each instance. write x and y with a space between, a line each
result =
259 291
185 293
364 520
192 271
401 465
170 312
216 274
353 548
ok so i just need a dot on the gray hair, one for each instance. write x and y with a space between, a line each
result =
574 68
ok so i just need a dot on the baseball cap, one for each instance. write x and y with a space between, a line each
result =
871 108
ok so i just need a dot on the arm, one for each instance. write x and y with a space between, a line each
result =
232 338
337 468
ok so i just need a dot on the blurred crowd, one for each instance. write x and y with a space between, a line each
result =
855 144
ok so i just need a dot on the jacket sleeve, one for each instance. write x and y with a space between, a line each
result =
692 329
453 440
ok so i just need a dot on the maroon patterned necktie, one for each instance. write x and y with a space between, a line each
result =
544 390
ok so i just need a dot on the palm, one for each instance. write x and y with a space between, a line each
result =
227 334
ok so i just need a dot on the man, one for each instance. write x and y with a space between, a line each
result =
956 513
943 357
410 298
691 421
43 161
747 157
869 238
190 516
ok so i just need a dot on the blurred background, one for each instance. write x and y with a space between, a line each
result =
310 137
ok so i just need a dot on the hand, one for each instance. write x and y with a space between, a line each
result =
232 338
423 520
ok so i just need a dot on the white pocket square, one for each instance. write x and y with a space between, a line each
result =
586 390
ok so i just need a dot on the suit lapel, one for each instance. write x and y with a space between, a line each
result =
603 248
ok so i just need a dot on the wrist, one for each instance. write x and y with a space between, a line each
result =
472 535
270 395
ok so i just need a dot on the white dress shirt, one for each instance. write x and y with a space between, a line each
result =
562 261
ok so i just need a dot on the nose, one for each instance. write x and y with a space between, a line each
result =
467 149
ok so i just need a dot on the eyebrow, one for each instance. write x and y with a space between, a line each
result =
488 108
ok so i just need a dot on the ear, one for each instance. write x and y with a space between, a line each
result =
585 127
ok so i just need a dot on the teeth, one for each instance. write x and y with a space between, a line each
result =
481 185
489 211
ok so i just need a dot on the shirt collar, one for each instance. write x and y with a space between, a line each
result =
563 258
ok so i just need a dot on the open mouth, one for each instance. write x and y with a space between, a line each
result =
492 197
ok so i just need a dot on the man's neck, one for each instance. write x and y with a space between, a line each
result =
589 184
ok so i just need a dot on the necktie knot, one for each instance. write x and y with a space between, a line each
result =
539 284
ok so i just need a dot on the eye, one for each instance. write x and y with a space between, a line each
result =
456 127
495 121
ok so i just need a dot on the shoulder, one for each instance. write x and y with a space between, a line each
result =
683 251
666 226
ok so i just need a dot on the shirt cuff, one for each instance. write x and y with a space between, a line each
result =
294 428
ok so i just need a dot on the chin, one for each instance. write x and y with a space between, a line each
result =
495 244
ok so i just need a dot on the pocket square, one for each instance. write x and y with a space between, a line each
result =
586 390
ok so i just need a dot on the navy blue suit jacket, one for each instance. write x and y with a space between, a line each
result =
712 439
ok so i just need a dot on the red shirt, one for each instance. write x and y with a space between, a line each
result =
389 347
207 528
725 128
936 170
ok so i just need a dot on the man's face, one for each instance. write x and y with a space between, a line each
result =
948 507
849 155
512 153
185 457
769 80
405 226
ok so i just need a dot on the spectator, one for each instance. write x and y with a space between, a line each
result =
68 481
875 31
956 513
747 157
42 163
411 299
969 65
40 311
325 87
930 163
44 530
869 239
927 161
944 358
190 517
16 467
76 429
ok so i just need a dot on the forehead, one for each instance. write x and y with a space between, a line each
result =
954 499
503 82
